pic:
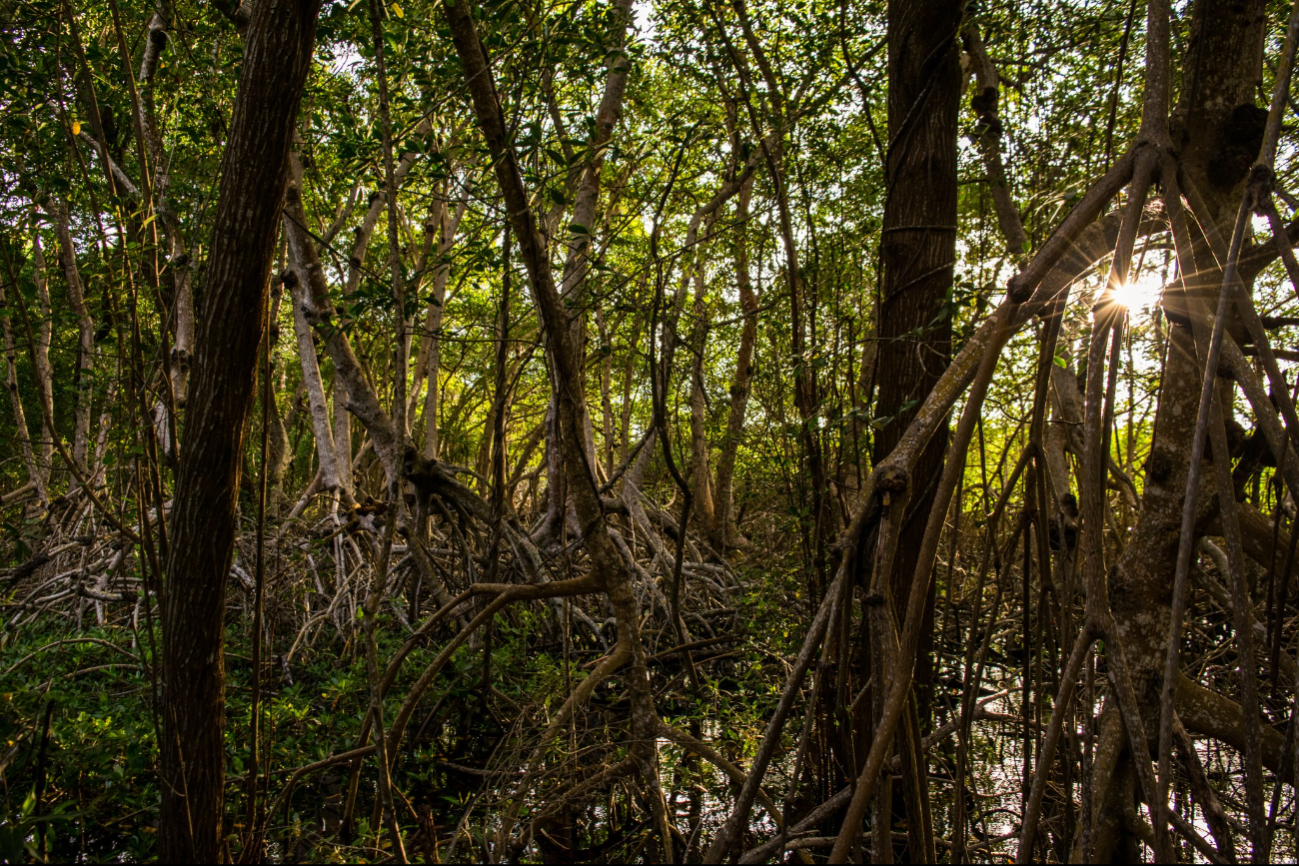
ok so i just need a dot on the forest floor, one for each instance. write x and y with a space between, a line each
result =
78 719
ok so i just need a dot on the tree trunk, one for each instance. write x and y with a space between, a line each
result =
701 476
343 435
430 354
85 329
277 57
918 253
606 394
585 186
182 352
724 492
330 473
41 357
1226 41
563 351
353 392
34 474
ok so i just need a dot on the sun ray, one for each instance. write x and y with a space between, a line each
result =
1139 294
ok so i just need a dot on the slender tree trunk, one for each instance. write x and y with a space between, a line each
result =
431 347
352 390
624 417
182 350
724 491
277 57
342 435
279 455
606 397
41 355
569 404
701 475
85 329
34 473
326 453
577 265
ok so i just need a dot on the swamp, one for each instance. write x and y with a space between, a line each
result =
649 431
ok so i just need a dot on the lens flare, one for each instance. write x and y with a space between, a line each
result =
1139 294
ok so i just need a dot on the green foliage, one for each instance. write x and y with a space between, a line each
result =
800 102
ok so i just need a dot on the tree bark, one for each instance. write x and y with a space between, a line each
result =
577 263
724 489
330 472
701 476
918 253
41 356
34 473
919 246
352 390
430 354
608 567
58 212
1226 42
277 57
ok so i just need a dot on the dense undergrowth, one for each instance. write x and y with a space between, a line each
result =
79 736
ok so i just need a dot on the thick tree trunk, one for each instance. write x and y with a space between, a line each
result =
1226 43
277 57
918 257
919 246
